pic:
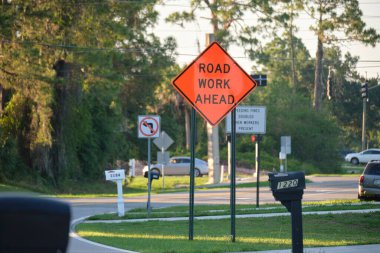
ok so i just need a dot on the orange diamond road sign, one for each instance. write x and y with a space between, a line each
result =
214 84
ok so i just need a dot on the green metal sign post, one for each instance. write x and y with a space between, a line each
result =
192 168
233 174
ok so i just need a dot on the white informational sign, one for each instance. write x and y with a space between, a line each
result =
148 126
286 145
112 175
249 120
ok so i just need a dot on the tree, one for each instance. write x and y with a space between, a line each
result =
276 56
289 113
333 17
73 72
227 21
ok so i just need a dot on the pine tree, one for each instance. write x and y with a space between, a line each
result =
333 17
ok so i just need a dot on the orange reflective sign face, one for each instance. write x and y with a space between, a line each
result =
214 84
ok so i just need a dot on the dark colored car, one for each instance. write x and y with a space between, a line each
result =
369 182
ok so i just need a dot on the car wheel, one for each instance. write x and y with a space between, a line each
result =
156 171
354 161
197 172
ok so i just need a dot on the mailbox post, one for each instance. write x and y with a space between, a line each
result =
288 188
153 176
117 176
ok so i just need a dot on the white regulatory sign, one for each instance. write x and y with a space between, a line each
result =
249 120
114 175
149 126
287 184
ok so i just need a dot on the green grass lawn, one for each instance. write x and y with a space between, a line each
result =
135 187
83 189
10 188
348 168
251 233
211 210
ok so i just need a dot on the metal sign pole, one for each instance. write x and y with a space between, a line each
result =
364 122
149 179
286 163
258 170
229 155
163 169
233 174
192 168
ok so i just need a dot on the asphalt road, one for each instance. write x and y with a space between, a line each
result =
322 188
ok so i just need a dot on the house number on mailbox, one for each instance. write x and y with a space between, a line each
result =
287 184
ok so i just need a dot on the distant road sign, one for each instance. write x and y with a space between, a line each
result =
286 145
163 157
214 84
163 141
148 126
261 80
249 120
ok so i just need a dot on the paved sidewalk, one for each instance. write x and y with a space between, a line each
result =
372 248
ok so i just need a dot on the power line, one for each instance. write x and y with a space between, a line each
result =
80 48
273 58
359 67
89 49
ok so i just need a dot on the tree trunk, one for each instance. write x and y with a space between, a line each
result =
292 51
1 100
213 140
317 101
213 154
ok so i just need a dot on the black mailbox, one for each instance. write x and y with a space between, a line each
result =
288 188
153 175
34 225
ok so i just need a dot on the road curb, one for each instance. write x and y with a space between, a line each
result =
219 217
73 234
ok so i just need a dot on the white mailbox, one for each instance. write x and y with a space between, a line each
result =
117 176
112 175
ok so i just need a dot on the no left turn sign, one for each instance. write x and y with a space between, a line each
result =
149 126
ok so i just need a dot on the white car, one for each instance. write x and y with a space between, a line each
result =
363 157
180 165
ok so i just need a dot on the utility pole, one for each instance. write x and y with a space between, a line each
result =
364 93
213 140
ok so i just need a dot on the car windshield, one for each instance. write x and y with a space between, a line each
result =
373 169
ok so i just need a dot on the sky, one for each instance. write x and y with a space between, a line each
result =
191 38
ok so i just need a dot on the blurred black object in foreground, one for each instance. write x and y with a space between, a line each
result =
33 225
